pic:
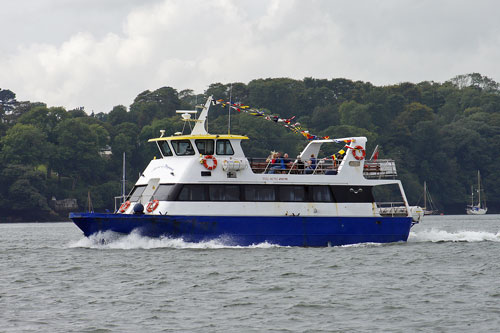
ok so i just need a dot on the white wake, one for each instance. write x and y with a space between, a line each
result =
112 240
436 235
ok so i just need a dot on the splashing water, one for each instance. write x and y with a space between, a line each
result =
112 240
436 235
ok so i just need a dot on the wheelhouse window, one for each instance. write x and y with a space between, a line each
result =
193 192
165 148
136 193
182 147
224 147
205 147
292 193
164 192
260 193
224 192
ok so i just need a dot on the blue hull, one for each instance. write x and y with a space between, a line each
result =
248 230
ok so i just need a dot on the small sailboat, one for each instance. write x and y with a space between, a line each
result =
429 207
480 208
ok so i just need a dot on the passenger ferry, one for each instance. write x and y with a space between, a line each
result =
204 188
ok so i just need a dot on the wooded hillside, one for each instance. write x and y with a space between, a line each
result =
441 133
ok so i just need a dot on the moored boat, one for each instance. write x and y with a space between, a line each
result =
204 187
479 208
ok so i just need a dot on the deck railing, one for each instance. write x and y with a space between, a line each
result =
373 169
392 208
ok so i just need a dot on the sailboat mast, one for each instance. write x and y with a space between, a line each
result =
123 180
425 196
478 189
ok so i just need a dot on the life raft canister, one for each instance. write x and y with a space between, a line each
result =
361 155
205 164
152 205
124 206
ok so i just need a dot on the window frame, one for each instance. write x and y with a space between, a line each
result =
205 141
227 143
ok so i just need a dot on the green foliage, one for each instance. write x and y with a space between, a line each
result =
441 133
24 144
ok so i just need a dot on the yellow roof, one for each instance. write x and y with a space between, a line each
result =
204 136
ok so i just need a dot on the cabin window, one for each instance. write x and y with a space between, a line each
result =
224 147
136 193
192 192
292 193
259 193
205 147
353 193
165 148
224 192
182 147
164 193
321 193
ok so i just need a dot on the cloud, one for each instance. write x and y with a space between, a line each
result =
190 44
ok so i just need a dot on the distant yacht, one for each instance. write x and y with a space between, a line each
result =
480 208
429 207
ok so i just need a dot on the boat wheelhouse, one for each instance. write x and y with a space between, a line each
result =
203 187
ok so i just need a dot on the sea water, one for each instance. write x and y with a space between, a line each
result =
446 278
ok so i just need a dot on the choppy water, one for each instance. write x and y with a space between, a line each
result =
445 279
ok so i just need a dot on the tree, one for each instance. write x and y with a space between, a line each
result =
158 104
77 153
25 144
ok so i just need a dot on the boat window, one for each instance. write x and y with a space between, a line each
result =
224 192
353 193
164 192
192 192
321 193
136 193
182 147
224 147
292 193
205 147
165 148
259 193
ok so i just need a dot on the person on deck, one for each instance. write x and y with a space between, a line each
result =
285 162
312 163
276 163
300 165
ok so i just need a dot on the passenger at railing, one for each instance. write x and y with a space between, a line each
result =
337 159
312 163
276 163
300 165
286 162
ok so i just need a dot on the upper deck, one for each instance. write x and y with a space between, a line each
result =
204 157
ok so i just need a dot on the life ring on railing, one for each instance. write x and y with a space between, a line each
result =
124 206
205 164
152 205
355 151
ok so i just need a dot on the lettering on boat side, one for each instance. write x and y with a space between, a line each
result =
274 179
163 166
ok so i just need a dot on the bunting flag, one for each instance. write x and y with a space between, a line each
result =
287 123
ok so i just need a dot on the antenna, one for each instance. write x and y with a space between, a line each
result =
229 110
124 180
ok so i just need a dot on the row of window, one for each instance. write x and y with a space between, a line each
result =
204 146
246 192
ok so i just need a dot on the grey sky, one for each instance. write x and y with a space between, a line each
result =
101 53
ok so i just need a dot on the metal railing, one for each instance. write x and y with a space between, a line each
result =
392 209
373 169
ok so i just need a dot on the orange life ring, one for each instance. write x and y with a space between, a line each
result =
124 206
214 162
152 205
355 154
